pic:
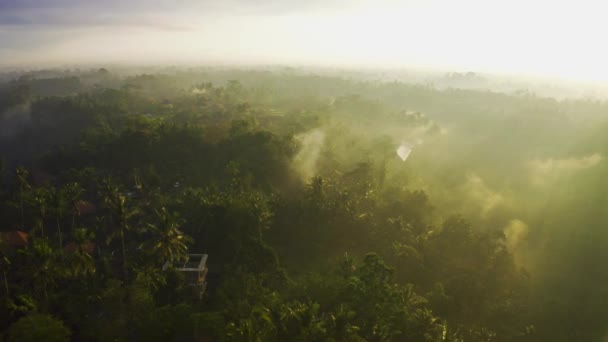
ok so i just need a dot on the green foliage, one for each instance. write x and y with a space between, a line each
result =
169 323
168 242
489 231
38 327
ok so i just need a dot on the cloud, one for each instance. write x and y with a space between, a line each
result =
13 20
72 14
168 14
71 19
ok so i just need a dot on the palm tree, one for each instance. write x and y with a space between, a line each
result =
43 269
119 216
71 193
4 265
81 261
41 197
2 171
168 242
23 184
59 205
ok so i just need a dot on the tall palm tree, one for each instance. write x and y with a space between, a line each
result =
80 260
42 269
168 242
41 198
58 203
22 182
119 217
72 193
4 265
2 169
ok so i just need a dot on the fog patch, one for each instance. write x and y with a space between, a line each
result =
311 144
13 119
516 233
479 193
544 171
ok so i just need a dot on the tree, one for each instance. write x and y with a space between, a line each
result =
43 269
167 323
80 261
119 217
40 198
58 203
168 242
2 171
23 184
4 265
38 327
71 193
385 310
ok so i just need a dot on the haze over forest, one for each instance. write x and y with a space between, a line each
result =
303 171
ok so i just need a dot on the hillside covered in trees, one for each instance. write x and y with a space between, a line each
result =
330 208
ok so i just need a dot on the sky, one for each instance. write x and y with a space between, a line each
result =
535 37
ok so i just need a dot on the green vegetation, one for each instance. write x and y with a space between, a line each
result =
492 229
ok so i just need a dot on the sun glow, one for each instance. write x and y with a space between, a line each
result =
553 38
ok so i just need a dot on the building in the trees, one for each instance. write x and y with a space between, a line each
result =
15 239
85 208
195 269
87 247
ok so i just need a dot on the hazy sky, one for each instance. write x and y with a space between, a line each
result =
548 37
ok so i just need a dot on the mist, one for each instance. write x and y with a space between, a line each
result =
14 119
305 162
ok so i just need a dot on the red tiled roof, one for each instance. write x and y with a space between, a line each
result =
40 177
85 207
15 238
88 247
